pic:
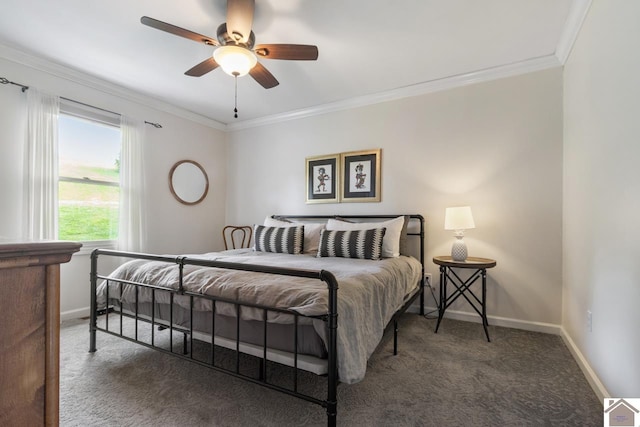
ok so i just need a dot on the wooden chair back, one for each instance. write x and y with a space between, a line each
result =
237 236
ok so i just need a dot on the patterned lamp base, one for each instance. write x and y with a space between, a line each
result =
459 249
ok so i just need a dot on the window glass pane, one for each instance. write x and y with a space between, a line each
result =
89 192
88 149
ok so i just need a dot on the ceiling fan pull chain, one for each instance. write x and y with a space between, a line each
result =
235 108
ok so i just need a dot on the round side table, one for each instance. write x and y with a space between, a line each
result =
462 287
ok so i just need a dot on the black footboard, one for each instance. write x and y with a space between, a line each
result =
330 319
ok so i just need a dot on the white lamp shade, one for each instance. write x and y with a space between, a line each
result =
459 218
235 60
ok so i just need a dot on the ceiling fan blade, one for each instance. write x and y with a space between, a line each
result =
299 52
240 19
178 31
263 76
202 68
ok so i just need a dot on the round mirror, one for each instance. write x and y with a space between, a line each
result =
188 182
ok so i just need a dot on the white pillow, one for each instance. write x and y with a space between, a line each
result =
272 222
311 232
391 239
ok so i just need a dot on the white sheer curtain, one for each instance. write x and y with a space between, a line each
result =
131 233
41 163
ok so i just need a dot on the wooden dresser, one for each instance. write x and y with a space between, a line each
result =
30 330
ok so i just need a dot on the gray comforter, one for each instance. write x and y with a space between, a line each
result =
369 293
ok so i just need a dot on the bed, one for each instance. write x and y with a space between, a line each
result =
303 297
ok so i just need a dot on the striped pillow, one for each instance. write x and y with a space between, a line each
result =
362 244
284 240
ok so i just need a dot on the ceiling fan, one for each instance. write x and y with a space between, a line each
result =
236 52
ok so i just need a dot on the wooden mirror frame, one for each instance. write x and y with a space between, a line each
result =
176 193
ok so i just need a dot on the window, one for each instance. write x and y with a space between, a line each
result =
89 175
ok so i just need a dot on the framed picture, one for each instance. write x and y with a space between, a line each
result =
323 178
361 176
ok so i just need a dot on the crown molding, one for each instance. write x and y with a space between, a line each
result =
57 70
485 75
494 73
575 19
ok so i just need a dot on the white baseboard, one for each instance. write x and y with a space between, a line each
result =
547 328
75 314
595 383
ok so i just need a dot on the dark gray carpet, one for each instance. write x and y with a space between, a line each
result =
451 378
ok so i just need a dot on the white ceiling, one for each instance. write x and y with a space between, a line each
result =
367 48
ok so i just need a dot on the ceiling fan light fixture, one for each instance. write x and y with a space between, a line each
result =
235 60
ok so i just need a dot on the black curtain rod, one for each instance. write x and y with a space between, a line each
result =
24 88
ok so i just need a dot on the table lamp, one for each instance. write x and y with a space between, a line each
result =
458 219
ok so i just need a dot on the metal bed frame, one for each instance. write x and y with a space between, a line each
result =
330 318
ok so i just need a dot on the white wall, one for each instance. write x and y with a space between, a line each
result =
171 227
602 194
496 146
13 122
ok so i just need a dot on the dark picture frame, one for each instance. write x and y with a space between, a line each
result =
361 176
323 178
